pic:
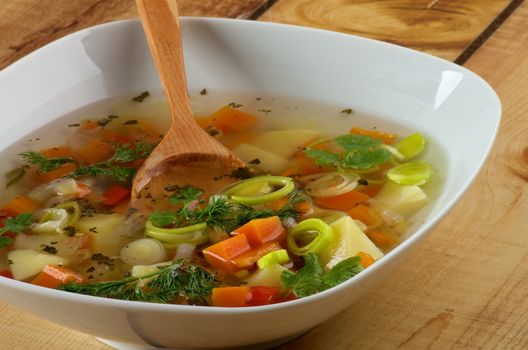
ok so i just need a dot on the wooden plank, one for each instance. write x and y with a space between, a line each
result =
439 27
465 287
27 25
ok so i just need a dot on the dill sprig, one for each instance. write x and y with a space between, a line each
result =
124 153
182 278
42 163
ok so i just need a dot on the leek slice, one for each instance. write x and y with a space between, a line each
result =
275 257
319 234
411 146
237 193
171 237
73 210
412 173
53 220
331 184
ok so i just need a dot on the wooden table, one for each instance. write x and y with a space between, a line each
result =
466 286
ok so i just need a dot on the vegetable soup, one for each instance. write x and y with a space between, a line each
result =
309 211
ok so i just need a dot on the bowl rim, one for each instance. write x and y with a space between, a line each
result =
420 233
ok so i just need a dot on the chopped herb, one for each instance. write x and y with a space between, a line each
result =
363 182
69 231
141 97
93 229
103 259
44 164
361 152
14 225
131 122
172 188
203 92
15 175
234 105
9 262
49 249
91 269
185 195
265 111
87 208
182 278
258 98
312 278
347 111
242 173
164 218
212 131
75 125
255 161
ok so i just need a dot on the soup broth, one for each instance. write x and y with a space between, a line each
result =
310 210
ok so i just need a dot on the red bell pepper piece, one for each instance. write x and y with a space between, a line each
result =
115 194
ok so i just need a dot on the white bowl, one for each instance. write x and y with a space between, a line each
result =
405 90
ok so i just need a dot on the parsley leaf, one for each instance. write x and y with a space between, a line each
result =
361 152
323 157
44 164
129 152
312 278
14 225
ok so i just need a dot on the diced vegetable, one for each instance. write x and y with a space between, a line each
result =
260 231
276 257
61 171
248 259
285 143
102 229
95 151
115 194
268 276
349 242
145 251
344 202
230 296
222 254
310 236
229 120
366 259
61 244
267 161
262 295
366 215
413 173
20 205
193 234
381 238
26 263
401 198
53 276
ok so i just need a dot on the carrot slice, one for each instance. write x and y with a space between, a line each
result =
260 231
384 137
230 296
61 171
53 276
95 151
115 194
371 190
304 208
381 239
343 202
57 152
20 205
222 254
249 258
366 259
229 119
364 214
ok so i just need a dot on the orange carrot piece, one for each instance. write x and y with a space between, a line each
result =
20 205
366 259
230 296
57 152
343 202
364 214
381 239
232 142
95 151
260 231
304 208
384 137
61 171
232 120
221 255
111 136
115 194
53 276
249 258
371 190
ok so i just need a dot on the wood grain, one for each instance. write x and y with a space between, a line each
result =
440 27
27 25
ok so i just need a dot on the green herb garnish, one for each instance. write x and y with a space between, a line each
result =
312 278
141 96
15 175
14 225
182 278
44 164
185 195
360 152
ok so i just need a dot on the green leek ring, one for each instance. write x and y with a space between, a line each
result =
286 182
325 236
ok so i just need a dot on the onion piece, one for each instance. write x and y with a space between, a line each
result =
332 184
184 251
145 251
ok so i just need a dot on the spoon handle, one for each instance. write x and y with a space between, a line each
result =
162 28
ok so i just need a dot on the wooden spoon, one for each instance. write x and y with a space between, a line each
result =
186 155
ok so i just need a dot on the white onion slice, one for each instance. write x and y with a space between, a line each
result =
332 184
